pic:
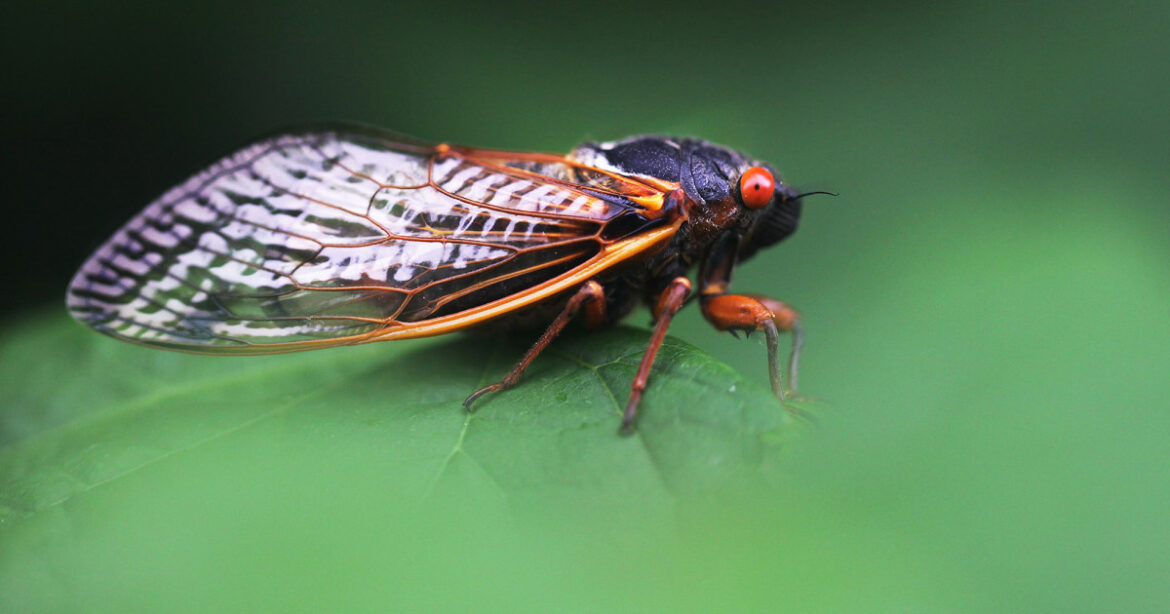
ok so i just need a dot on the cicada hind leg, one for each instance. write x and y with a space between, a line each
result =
591 298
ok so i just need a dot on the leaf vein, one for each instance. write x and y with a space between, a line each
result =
654 460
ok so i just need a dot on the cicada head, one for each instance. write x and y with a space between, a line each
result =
776 220
727 190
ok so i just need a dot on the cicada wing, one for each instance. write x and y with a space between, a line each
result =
334 237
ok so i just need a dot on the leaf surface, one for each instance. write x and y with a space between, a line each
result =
85 416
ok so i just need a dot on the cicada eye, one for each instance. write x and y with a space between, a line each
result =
756 187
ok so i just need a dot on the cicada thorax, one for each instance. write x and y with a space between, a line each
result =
704 172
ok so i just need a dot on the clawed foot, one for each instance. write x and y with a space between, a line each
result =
793 405
471 398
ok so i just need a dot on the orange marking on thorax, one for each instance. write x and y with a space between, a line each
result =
650 203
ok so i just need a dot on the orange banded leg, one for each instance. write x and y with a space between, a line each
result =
591 295
739 312
669 302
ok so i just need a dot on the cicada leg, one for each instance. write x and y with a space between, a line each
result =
669 302
740 312
591 296
749 312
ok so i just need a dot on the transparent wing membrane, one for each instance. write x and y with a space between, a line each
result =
333 237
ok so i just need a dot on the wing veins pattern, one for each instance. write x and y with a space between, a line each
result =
331 237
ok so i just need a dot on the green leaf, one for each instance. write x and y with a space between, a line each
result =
129 476
85 414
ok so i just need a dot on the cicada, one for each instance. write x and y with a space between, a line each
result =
344 235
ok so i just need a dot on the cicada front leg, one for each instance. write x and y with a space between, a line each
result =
748 313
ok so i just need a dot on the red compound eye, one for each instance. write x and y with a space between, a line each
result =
756 187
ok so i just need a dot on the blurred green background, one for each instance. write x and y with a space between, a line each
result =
987 301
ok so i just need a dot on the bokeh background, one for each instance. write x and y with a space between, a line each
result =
988 299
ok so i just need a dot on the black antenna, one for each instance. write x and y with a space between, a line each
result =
811 193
